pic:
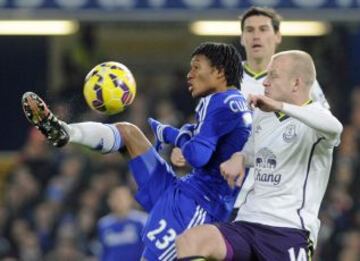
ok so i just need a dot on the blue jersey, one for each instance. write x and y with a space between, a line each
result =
120 238
223 127
203 196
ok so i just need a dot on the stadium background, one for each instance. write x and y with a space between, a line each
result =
63 191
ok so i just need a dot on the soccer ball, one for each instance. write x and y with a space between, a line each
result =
109 88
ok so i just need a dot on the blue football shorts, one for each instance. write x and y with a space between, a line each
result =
170 210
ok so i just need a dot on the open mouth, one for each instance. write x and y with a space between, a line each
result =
256 46
190 87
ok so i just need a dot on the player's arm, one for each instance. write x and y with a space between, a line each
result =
163 133
317 118
233 170
248 152
199 148
196 152
216 125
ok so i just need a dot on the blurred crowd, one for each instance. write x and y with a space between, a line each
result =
339 237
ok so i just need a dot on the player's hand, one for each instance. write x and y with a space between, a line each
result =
233 170
158 129
264 103
177 158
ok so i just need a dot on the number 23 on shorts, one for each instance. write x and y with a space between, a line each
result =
166 238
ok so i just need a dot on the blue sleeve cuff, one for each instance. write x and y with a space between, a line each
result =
182 138
170 135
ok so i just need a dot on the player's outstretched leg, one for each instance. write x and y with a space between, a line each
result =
133 139
104 138
38 114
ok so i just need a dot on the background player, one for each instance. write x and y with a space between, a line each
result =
120 231
260 38
223 126
291 151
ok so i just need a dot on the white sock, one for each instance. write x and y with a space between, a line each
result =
97 136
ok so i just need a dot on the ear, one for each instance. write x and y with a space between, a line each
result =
296 85
278 38
241 41
220 73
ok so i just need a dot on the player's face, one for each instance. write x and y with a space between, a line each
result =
278 83
120 200
202 78
259 38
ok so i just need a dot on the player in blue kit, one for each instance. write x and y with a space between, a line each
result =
119 231
223 124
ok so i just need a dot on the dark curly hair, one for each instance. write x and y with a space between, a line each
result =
223 57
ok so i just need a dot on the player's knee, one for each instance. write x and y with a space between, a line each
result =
182 243
127 130
204 240
186 244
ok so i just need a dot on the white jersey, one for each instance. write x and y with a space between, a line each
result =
291 155
253 84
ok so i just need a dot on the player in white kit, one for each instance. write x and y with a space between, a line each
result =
290 149
260 38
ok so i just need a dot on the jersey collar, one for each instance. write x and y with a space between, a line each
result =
282 116
253 74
